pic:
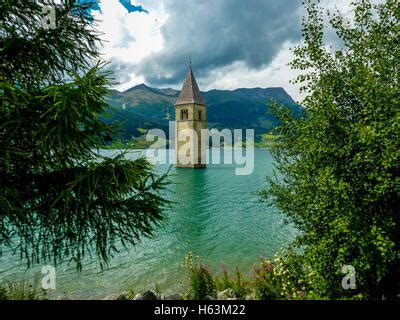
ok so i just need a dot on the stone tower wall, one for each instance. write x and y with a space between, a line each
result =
197 147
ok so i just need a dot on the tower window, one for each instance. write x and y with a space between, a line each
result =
199 114
184 114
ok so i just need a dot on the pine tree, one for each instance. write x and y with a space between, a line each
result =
59 198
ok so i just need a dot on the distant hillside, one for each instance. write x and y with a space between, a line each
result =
148 108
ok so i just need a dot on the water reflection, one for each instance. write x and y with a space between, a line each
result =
192 194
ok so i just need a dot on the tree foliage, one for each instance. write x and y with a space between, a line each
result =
60 199
338 165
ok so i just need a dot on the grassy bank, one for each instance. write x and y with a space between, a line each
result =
286 276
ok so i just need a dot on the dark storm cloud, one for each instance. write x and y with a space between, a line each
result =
216 33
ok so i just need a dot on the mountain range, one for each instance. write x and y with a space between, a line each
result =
143 107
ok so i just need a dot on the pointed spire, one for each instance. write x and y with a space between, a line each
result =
190 92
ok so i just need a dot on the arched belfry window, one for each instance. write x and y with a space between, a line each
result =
199 114
184 114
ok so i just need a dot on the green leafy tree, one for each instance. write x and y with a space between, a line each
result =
338 164
60 199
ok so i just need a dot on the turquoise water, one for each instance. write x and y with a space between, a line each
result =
217 215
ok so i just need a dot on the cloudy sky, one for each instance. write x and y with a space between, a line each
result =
232 43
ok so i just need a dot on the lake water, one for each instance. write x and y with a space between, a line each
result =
217 215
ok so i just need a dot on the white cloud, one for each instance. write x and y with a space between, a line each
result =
130 37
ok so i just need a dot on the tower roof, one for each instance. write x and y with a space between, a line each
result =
190 92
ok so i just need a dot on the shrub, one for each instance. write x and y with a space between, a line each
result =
201 282
18 290
238 284
286 276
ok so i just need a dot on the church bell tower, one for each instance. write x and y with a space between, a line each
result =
190 119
